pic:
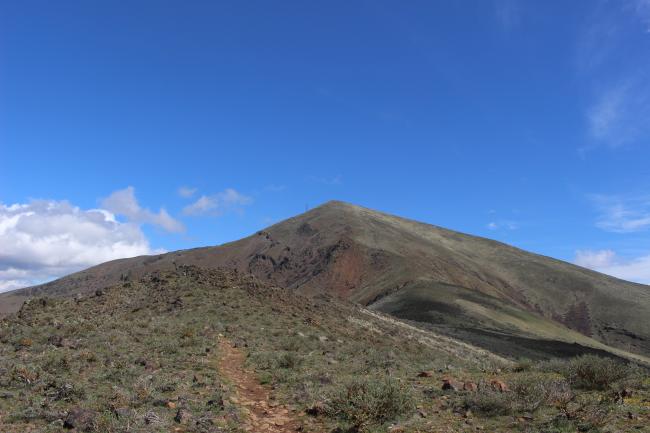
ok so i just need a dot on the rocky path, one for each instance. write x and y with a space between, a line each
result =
263 415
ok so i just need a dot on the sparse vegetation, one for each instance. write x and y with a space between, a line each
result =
591 372
527 393
132 357
370 401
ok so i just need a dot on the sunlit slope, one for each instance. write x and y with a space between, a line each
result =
378 260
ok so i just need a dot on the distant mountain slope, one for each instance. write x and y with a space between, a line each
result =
469 286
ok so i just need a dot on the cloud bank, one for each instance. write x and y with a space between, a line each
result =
218 204
123 202
186 192
616 116
623 214
45 239
607 262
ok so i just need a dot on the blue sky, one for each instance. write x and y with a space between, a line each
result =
136 127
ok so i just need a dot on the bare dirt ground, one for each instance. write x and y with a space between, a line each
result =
263 414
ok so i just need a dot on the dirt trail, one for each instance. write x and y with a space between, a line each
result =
263 415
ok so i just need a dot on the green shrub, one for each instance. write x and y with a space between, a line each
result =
289 360
528 392
364 402
591 372
488 402
533 390
523 364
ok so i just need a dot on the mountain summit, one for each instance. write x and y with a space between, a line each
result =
487 292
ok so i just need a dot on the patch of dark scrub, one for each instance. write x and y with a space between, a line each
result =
306 230
330 253
152 259
624 332
577 318
513 346
325 256
261 264
379 259
386 293
427 311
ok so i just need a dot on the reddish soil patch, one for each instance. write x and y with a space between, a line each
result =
263 415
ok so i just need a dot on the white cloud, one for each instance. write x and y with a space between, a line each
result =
623 214
594 259
186 192
619 114
606 261
45 239
218 204
502 224
123 202
620 102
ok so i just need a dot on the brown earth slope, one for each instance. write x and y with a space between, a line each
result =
472 287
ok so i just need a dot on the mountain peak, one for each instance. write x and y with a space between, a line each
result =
413 271
337 204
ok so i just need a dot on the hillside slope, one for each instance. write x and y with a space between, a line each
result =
471 287
210 351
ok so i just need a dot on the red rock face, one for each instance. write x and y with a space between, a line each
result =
346 271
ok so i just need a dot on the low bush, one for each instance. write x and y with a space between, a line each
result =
531 391
528 392
288 360
366 402
591 372
488 402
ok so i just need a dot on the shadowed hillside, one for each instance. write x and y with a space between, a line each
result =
470 287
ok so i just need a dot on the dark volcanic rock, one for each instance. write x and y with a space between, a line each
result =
80 419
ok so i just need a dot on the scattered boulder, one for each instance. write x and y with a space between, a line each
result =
24 343
55 340
621 395
217 402
61 391
470 386
316 409
425 374
147 364
177 303
121 412
65 342
183 416
152 417
499 385
452 384
80 419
